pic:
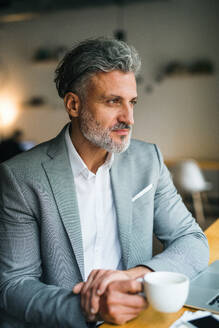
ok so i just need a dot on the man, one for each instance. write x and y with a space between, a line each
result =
78 212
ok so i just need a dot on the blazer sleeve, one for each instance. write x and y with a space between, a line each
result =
185 245
22 295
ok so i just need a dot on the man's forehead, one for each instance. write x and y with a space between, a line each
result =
113 75
114 80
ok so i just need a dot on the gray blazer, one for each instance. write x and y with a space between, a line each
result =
41 253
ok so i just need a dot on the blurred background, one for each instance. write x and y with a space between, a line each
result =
178 86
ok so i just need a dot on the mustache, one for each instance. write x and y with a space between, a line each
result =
120 126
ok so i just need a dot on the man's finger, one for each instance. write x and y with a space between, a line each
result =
87 291
91 317
100 284
109 277
92 278
124 317
117 313
77 288
126 286
94 296
127 300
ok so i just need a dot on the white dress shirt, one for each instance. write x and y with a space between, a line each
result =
98 219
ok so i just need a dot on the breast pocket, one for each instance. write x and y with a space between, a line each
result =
143 205
141 193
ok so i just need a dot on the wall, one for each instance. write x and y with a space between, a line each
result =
181 115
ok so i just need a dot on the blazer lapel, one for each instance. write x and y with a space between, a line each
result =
121 186
60 176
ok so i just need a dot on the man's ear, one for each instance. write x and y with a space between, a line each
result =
72 104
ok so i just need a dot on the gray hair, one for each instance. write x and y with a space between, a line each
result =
92 56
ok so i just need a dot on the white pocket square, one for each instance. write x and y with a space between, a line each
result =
141 193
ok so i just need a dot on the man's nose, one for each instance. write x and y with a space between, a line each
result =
126 114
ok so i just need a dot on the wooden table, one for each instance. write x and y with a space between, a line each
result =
153 319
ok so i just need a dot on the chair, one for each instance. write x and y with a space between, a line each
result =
189 179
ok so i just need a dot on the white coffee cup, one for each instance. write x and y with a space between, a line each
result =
166 291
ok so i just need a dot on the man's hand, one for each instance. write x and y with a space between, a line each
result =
120 302
94 287
96 284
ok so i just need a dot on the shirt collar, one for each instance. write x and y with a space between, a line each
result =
77 163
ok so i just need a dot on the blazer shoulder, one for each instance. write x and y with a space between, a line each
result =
141 155
141 144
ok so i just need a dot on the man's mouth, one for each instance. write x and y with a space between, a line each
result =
121 129
121 132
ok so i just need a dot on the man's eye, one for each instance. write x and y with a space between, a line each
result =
113 101
133 102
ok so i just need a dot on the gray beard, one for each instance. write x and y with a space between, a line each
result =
100 137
